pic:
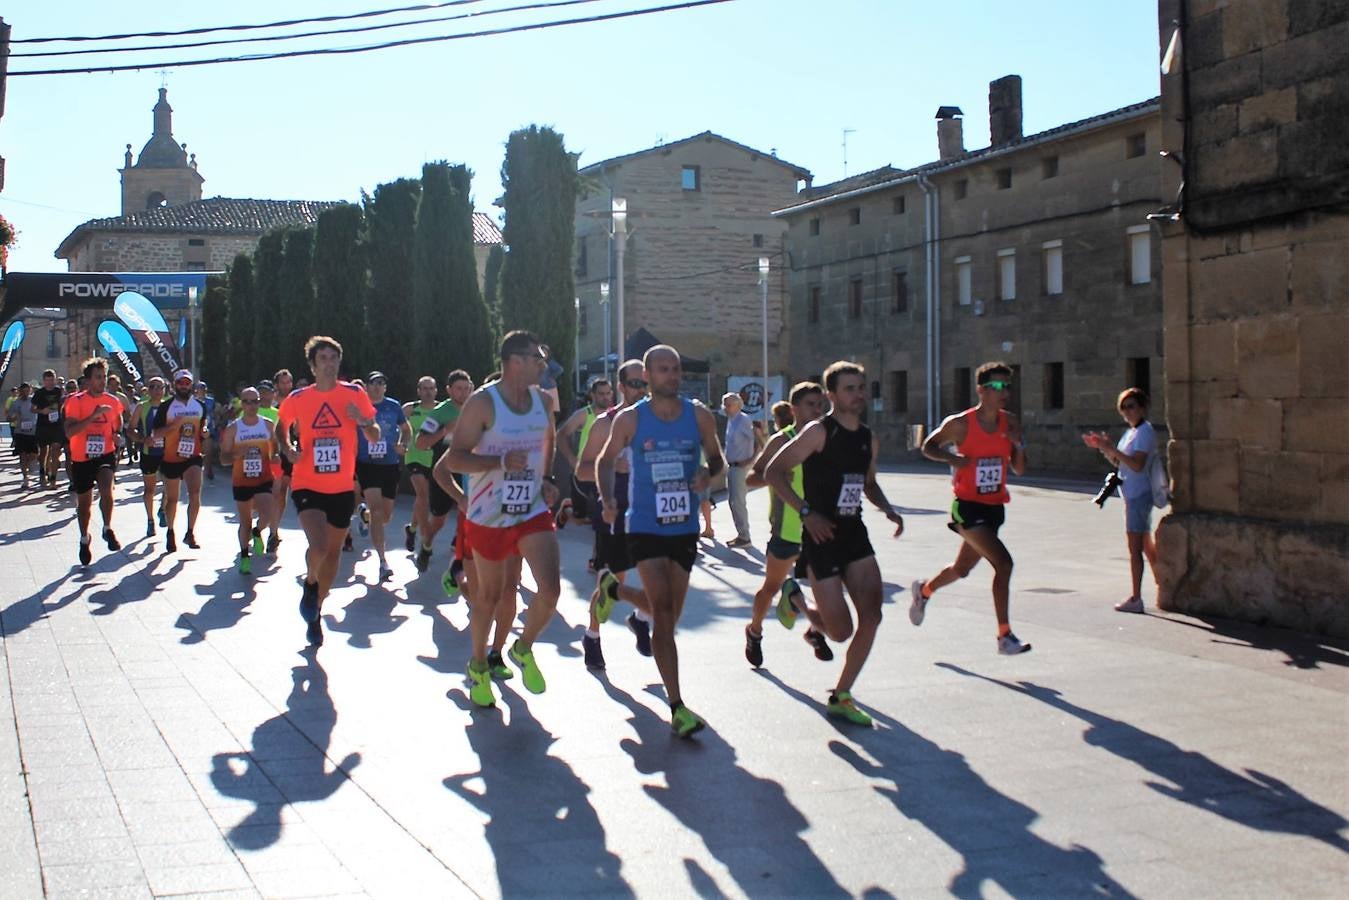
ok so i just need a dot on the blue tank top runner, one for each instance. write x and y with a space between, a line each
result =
664 460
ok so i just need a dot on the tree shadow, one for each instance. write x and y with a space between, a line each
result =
371 613
1304 651
287 761
24 613
1253 799
224 608
745 821
537 808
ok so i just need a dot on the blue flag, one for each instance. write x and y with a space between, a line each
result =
120 345
141 316
9 348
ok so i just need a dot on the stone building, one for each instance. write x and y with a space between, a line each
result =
1255 265
698 220
1035 250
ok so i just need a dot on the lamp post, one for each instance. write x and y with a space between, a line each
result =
193 312
763 299
576 356
604 308
619 209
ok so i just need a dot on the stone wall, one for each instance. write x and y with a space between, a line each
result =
119 251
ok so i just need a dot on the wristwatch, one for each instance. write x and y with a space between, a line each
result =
805 510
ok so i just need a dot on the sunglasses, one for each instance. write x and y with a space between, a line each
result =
636 384
532 354
997 385
378 382
251 402
1129 405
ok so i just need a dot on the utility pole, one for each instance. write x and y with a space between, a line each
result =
846 132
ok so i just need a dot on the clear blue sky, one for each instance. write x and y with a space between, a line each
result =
788 75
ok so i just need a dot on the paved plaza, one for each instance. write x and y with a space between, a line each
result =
164 731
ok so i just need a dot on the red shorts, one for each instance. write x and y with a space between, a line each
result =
496 544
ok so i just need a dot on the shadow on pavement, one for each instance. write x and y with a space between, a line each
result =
537 808
452 644
224 608
287 762
1304 651
1253 799
132 589
22 614
371 613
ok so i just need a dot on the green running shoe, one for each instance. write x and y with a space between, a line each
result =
787 609
257 542
608 591
245 565
841 704
480 685
685 722
523 657
448 584
498 666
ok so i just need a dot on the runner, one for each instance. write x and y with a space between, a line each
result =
611 559
152 450
93 420
600 396
23 425
435 430
323 466
284 383
837 455
807 405
211 433
181 423
51 437
250 443
114 387
419 462
664 433
378 465
987 442
504 442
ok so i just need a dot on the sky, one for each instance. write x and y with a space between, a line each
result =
778 75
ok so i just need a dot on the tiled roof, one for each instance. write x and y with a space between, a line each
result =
485 231
706 135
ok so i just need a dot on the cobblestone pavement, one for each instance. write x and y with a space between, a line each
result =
164 732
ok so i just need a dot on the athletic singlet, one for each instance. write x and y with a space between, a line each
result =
429 421
383 452
254 448
183 440
417 417
145 413
268 413
591 416
984 480
500 499
327 457
97 438
660 474
22 410
789 520
833 479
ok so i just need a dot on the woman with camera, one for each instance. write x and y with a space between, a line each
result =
1133 455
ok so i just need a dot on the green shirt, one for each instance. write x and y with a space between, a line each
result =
788 520
268 413
426 420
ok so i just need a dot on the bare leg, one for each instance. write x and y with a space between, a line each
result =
775 573
508 604
666 583
966 559
863 578
421 502
541 552
192 479
987 545
172 486
489 578
374 501
105 496
245 508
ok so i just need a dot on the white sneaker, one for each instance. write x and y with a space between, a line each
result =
1132 605
918 605
1008 645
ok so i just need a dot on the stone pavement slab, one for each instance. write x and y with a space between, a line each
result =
165 732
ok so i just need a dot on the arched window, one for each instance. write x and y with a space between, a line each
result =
155 200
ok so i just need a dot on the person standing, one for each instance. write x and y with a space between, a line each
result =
23 424
93 423
181 424
739 457
248 444
379 464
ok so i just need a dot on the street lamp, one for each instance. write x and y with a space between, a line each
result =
576 357
604 307
763 298
619 209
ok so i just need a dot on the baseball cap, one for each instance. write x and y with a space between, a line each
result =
183 375
375 375
266 385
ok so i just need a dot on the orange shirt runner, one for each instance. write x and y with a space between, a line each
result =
254 448
327 459
985 479
98 437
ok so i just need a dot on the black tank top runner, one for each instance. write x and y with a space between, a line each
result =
834 477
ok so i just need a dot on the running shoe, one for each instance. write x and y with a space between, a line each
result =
191 540
736 543
245 564
594 656
423 558
917 603
346 544
1008 645
608 595
563 514
363 519
819 645
309 602
163 522
786 608
841 704
86 555
273 542
1132 605
111 540
753 647
385 573
449 582
410 538
257 541
170 542
149 527
480 684
523 657
500 670
314 632
685 722
641 630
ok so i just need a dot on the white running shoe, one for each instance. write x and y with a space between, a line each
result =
1132 605
918 605
1008 645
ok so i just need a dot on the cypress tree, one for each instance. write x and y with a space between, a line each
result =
341 280
491 291
272 345
299 319
214 340
391 221
242 307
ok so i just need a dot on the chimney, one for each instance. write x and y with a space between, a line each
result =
1004 110
950 133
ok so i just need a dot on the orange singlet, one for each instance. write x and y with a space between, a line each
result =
98 437
984 480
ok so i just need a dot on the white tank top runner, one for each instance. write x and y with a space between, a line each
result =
498 499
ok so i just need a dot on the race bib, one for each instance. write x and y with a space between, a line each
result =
253 463
327 455
988 474
850 495
95 445
517 492
673 504
187 442
157 443
379 449
53 416
27 426
430 426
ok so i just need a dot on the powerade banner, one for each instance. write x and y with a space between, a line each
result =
98 290
120 345
182 332
10 347
140 315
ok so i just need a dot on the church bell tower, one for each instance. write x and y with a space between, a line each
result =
164 175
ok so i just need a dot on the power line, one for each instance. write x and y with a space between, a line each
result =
305 34
332 51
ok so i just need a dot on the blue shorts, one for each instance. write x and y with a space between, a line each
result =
1138 514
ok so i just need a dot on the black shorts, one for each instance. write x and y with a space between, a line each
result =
337 507
584 498
25 443
48 434
419 469
682 548
849 544
968 514
84 474
174 470
611 547
379 475
783 549
150 464
245 493
287 467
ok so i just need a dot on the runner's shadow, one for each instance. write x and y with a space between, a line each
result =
22 614
1304 651
453 645
287 762
371 613
1253 799
132 589
745 821
36 532
750 560
224 608
534 801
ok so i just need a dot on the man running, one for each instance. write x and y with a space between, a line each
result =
807 405
987 441
600 397
249 442
152 449
378 465
51 437
323 467
181 423
284 383
93 422
211 433
436 429
419 462
504 442
23 424
664 434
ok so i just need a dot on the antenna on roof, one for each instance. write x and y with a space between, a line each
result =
846 132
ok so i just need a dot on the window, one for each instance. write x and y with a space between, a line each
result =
581 265
155 201
1140 374
898 205
963 274
962 189
1049 167
691 178
1135 145
196 242
814 227
1053 385
52 350
1007 274
1051 260
1140 254
855 216
813 306
1004 179
899 291
964 388
855 299
194 267
899 392
758 240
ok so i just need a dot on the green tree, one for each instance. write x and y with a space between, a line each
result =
271 342
491 291
242 357
391 221
214 340
341 279
537 288
299 318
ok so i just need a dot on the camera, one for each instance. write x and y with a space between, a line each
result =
1108 489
